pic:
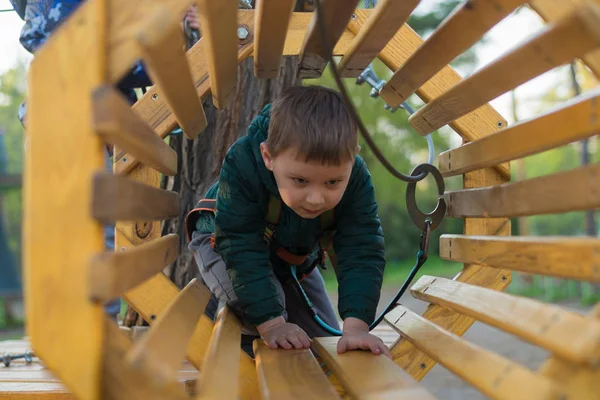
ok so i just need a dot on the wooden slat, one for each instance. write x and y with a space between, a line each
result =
552 10
272 21
218 22
34 391
461 30
63 153
152 298
163 52
290 374
121 380
388 17
569 123
571 37
313 56
120 198
117 124
127 20
580 382
223 359
563 257
564 333
114 273
573 190
478 123
493 375
162 349
368 376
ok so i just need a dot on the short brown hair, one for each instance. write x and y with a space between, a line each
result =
314 120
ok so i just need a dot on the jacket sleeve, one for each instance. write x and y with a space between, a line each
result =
239 230
359 248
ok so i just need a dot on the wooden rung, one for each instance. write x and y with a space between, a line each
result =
118 198
563 257
162 349
382 25
117 124
223 359
544 195
290 374
218 22
493 375
313 55
368 376
271 28
564 333
114 273
467 24
563 41
572 122
162 46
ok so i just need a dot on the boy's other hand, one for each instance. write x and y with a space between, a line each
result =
356 336
278 333
191 16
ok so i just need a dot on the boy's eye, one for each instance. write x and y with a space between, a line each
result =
332 182
300 181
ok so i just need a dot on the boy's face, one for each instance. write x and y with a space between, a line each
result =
308 188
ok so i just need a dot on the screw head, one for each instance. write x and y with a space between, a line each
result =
155 96
124 159
353 17
242 33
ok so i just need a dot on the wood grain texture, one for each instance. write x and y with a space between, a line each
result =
561 257
562 332
544 195
62 155
455 35
368 376
493 375
576 120
561 42
114 273
384 22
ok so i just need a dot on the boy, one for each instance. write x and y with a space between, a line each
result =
296 171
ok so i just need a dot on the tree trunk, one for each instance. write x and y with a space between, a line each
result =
201 159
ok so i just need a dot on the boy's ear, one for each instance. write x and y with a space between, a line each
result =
266 156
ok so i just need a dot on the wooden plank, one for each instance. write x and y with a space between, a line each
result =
388 17
161 350
493 375
127 20
163 52
457 33
271 28
223 359
552 10
313 55
290 374
368 376
151 299
564 333
117 124
63 153
562 257
218 22
114 273
579 382
121 380
120 198
573 190
405 42
569 123
34 391
566 39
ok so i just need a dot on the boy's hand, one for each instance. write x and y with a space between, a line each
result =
278 333
191 16
356 336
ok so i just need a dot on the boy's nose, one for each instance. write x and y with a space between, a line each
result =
315 198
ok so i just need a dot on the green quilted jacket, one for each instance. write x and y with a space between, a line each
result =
243 192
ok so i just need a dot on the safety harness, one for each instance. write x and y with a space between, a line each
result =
272 217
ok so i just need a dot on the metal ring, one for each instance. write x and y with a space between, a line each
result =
437 215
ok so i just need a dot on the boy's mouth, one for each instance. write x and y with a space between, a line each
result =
311 212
